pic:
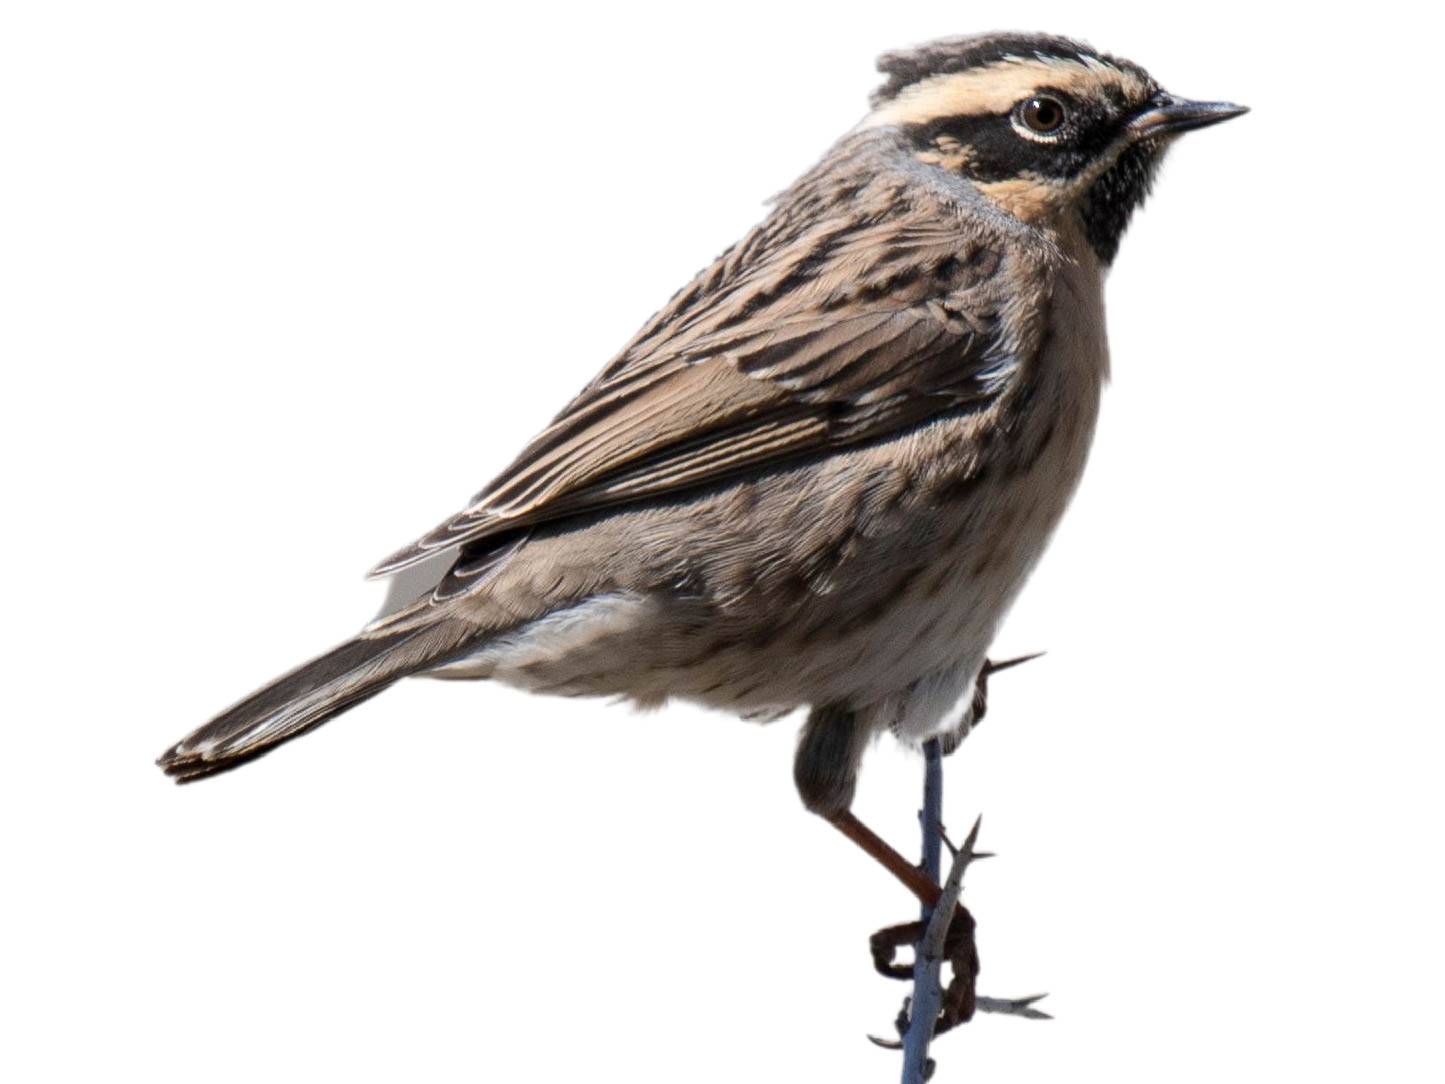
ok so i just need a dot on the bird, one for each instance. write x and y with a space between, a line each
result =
816 479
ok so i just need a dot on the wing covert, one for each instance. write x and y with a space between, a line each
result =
815 332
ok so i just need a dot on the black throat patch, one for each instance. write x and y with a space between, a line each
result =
1112 199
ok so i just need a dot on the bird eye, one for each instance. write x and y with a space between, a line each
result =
1042 114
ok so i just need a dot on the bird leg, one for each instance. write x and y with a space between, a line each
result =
826 772
877 848
959 948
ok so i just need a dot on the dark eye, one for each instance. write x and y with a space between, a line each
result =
1043 114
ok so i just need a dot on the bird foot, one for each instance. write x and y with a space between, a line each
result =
955 948
885 943
960 952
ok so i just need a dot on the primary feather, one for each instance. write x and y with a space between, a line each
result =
306 697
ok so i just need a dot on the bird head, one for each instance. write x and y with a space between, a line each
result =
1045 127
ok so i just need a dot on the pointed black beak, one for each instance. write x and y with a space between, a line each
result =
1166 115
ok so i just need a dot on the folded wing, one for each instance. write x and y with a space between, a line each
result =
817 331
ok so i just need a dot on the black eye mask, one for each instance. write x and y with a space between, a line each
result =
997 150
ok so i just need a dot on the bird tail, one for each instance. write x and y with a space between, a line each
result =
308 696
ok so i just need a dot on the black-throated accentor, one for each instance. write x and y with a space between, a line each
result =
820 475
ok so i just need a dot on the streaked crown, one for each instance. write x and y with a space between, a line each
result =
1044 126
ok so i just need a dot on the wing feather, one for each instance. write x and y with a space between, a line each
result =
848 314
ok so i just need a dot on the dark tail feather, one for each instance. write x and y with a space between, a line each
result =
305 698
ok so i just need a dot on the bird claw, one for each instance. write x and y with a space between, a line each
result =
884 946
959 950
960 1000
885 943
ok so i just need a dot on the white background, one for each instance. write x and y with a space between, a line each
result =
284 283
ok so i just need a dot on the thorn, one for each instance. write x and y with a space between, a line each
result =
972 837
1017 1006
972 855
992 667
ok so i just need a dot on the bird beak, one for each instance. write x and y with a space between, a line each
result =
1166 115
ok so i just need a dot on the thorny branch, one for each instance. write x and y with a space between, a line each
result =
920 1019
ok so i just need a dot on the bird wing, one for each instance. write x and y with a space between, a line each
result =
836 320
